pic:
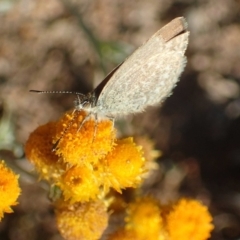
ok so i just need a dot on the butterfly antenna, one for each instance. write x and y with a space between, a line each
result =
59 92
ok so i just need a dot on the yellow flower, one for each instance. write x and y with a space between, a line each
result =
188 220
9 189
79 184
144 217
150 154
123 166
83 157
81 221
83 144
39 151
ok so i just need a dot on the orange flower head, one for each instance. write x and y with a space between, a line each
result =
39 151
150 154
79 183
81 220
189 219
83 140
123 166
9 189
83 158
145 218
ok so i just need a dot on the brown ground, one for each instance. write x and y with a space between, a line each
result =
43 46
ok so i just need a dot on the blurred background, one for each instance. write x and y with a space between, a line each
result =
72 45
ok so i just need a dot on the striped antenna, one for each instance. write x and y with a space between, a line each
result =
60 92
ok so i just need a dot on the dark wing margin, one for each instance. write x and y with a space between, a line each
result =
97 91
176 27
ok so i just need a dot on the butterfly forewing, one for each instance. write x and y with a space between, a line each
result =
148 75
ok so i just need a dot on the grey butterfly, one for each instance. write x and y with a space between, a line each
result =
144 79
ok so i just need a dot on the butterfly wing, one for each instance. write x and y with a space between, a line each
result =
148 76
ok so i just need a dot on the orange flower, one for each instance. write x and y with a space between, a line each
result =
123 166
149 153
39 151
189 219
147 220
81 221
144 218
86 143
79 184
9 189
87 159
